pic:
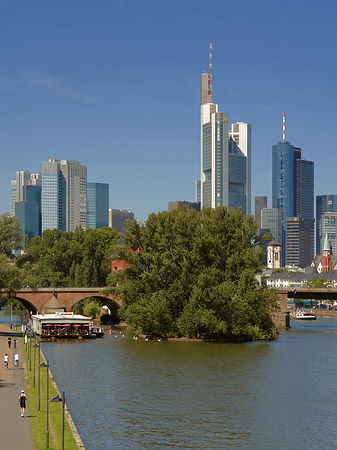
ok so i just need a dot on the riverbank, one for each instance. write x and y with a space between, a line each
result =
15 431
38 417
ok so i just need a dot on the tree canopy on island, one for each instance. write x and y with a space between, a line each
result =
193 274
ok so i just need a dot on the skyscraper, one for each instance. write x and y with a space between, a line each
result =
260 203
324 203
328 229
23 178
117 218
271 220
225 155
293 193
97 205
64 195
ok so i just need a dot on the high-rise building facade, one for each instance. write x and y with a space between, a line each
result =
293 193
97 205
118 217
260 203
64 195
271 220
225 155
23 178
28 215
300 237
328 228
324 204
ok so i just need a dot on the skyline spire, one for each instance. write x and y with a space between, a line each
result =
210 69
284 126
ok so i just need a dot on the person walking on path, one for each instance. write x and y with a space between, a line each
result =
6 360
22 401
16 359
14 342
9 341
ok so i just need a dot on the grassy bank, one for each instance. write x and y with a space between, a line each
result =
38 418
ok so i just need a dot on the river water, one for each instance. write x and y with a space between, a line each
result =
132 394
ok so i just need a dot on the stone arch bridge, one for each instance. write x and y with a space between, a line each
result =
55 299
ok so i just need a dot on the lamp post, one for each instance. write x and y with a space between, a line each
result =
30 351
35 346
47 434
62 399
38 398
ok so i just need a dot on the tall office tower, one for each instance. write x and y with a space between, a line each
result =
197 191
225 156
260 203
328 227
97 205
293 187
271 220
28 216
239 167
117 218
64 195
324 203
299 233
23 178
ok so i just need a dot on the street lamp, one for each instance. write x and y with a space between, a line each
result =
35 346
38 398
62 399
47 434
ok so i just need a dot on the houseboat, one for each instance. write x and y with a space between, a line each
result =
65 325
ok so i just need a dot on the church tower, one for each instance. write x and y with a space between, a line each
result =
326 257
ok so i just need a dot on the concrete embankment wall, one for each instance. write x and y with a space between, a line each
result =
67 414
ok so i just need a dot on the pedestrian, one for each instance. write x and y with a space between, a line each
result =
22 401
6 360
9 342
10 326
16 359
14 342
14 327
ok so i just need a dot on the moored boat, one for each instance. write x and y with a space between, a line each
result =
304 316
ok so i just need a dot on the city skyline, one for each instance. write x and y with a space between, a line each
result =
63 97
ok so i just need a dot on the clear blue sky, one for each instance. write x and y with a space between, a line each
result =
115 84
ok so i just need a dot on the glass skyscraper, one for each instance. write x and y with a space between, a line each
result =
324 204
97 205
225 155
64 195
293 193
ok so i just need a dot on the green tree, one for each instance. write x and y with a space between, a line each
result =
92 308
193 274
10 235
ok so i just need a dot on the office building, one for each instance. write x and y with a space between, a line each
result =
97 205
197 191
293 192
64 195
182 203
300 241
324 204
225 155
28 215
328 229
23 178
260 203
118 217
271 220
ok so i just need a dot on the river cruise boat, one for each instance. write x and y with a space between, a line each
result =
304 316
65 325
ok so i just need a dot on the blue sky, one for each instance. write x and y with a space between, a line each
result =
115 84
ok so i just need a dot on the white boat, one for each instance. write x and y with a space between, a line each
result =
304 316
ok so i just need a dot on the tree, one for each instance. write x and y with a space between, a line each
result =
193 274
10 235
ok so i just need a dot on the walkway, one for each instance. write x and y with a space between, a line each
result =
15 432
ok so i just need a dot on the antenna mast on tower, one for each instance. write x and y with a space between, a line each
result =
284 126
210 70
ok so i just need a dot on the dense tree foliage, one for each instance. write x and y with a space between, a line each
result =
10 235
80 258
193 274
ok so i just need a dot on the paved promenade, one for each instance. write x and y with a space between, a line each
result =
15 432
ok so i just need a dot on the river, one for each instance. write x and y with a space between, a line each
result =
132 394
